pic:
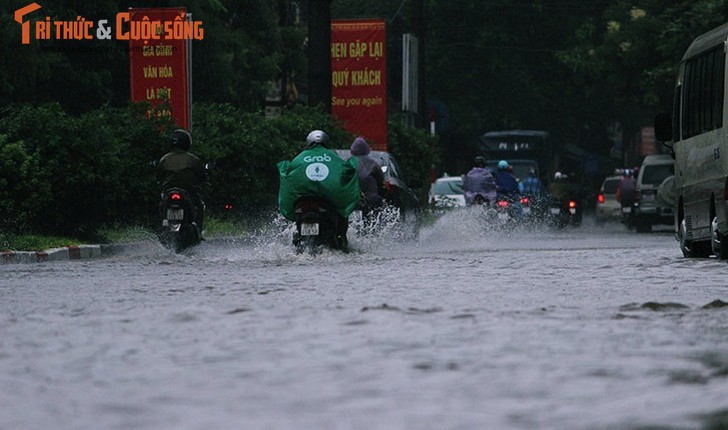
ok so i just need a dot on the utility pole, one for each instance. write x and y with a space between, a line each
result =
319 54
420 30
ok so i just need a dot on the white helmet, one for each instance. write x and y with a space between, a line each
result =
558 176
318 136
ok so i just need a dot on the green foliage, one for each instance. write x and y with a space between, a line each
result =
415 149
20 177
625 59
244 47
33 242
245 148
69 175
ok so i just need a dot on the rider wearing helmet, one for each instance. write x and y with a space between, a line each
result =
559 188
479 183
317 137
319 172
506 183
180 168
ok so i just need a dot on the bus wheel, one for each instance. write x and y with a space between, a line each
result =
719 243
692 249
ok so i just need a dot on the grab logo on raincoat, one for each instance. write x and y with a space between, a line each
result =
317 172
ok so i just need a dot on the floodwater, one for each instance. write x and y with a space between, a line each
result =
463 328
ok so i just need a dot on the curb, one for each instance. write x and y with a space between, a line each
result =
75 252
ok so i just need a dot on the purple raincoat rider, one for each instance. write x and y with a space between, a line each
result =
479 182
371 177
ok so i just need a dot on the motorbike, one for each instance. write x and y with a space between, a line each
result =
629 217
317 224
503 210
562 212
508 209
178 213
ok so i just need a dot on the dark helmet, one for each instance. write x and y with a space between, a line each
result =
319 137
181 138
479 161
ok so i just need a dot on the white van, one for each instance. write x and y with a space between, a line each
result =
650 210
696 130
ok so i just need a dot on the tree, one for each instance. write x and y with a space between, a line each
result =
244 48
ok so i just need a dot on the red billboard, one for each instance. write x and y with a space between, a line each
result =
359 78
158 62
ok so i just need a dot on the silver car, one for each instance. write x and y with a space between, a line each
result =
650 210
447 193
608 208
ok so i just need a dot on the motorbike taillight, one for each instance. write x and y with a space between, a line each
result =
600 198
572 204
503 203
524 200
175 196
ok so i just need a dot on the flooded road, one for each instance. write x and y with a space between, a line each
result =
593 327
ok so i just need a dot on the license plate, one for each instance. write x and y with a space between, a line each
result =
626 210
175 214
526 211
502 216
555 211
356 216
648 197
309 229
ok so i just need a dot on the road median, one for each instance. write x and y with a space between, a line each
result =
74 252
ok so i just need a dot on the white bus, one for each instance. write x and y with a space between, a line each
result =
698 132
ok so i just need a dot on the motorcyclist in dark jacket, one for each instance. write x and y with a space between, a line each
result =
179 168
371 176
507 183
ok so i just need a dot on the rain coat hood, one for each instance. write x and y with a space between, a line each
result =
359 147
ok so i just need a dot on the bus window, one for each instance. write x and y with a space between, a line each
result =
718 87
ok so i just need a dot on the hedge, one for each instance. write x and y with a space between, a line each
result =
71 175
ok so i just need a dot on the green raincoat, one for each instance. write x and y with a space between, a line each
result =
318 172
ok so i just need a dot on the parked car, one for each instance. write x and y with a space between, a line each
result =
447 193
608 208
402 194
650 210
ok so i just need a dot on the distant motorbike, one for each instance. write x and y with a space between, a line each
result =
508 209
562 212
629 215
316 226
178 213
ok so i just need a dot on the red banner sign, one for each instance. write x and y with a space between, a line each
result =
158 63
359 78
